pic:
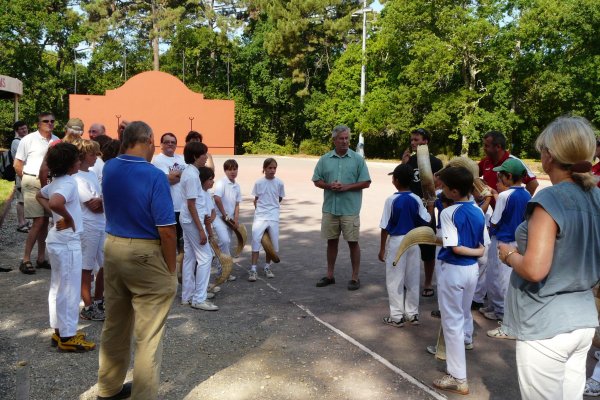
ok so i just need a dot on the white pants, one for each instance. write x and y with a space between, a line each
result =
196 265
65 286
456 285
223 234
481 288
407 273
554 368
92 249
258 230
499 279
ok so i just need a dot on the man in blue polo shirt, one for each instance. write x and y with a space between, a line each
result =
342 174
139 267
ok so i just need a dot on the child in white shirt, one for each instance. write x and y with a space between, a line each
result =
64 247
94 224
268 193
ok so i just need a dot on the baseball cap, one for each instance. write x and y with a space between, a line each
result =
512 166
75 124
401 169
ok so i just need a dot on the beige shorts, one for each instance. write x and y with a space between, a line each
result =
348 225
30 186
18 190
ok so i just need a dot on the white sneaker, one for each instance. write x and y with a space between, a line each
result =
210 295
491 315
592 388
186 302
487 309
500 333
269 273
215 289
252 276
205 305
232 278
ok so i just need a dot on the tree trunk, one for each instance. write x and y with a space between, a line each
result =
155 54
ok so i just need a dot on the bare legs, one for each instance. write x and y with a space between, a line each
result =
332 252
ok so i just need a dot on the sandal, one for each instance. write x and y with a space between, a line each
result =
23 228
428 292
44 264
27 268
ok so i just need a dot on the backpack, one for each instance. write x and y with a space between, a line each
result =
7 171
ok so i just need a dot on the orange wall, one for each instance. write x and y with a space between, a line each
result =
166 104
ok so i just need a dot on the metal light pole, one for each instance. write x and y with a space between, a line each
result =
360 148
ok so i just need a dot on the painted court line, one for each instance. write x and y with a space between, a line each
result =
376 356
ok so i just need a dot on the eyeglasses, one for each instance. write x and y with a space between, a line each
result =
169 142
48 121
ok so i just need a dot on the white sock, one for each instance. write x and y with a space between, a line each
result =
253 268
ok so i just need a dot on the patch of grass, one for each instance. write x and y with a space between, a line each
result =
6 188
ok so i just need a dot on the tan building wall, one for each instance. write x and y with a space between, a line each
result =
166 104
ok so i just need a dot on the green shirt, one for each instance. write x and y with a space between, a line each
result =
350 168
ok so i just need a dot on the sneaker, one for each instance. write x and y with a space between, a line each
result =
476 305
92 313
451 384
55 338
487 309
215 289
269 273
500 333
210 295
433 350
100 305
252 276
413 319
186 302
76 344
592 388
205 305
397 324
469 346
232 278
491 315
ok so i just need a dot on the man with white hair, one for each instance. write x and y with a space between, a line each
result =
342 174
96 129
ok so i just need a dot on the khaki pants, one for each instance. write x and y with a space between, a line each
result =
139 290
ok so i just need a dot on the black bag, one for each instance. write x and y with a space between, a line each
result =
7 171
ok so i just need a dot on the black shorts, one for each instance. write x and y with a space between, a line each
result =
427 252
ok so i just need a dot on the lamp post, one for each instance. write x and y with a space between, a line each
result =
363 72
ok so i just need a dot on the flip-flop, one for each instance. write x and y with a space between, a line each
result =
23 228
428 292
27 268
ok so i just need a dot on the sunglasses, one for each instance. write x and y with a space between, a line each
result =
48 121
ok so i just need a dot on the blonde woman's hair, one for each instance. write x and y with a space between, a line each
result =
86 147
570 140
72 138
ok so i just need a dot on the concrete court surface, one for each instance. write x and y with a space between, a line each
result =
281 338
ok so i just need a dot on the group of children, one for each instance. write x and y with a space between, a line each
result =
76 240
466 235
203 216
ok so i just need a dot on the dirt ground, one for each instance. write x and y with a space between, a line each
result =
280 338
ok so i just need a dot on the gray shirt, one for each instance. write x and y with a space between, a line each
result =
563 301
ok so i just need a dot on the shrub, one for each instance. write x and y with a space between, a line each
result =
313 147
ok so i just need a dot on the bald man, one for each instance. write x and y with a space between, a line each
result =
96 130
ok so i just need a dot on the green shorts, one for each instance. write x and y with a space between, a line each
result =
348 225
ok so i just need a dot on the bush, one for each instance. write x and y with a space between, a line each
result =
268 145
313 147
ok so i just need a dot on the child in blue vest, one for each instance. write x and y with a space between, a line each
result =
508 214
464 237
402 212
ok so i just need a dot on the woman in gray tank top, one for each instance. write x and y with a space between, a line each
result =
550 306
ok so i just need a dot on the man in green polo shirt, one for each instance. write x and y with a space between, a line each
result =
342 174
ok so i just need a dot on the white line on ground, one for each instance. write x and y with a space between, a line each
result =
376 356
